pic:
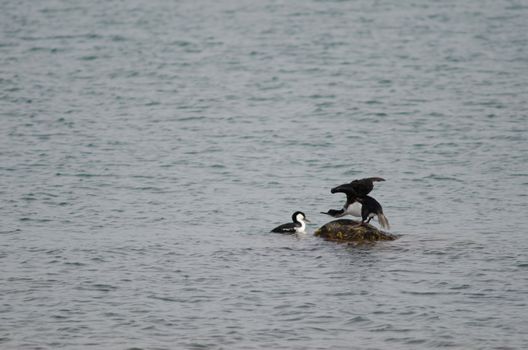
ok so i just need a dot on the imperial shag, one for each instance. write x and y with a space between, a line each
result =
297 226
353 190
357 203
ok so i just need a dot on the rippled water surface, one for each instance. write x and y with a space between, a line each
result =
147 148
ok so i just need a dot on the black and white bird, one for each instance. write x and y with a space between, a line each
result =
358 203
297 226
353 190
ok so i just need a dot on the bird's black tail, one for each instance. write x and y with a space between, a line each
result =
383 221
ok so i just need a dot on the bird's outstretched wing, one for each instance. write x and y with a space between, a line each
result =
349 191
358 188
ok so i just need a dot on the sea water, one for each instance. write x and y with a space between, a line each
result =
148 148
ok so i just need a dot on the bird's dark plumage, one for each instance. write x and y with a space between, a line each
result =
357 191
334 212
357 188
286 228
298 224
370 208
353 190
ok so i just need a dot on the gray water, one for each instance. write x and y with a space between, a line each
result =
147 148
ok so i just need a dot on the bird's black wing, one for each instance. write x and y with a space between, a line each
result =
364 186
375 179
349 191
371 205
285 228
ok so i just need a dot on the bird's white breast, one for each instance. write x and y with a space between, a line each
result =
300 229
354 209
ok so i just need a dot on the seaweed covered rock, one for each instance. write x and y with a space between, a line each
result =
344 230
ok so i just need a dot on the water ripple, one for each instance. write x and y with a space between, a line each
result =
147 150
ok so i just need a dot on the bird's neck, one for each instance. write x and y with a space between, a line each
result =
302 227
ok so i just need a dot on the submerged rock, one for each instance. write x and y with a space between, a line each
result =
344 230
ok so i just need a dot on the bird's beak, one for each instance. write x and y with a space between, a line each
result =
305 219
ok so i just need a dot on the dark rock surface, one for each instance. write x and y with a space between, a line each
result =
345 230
